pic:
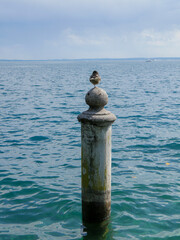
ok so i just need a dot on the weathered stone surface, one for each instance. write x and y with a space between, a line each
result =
96 98
96 157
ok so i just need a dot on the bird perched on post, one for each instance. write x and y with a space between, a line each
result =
95 78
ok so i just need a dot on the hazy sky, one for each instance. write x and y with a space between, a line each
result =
50 29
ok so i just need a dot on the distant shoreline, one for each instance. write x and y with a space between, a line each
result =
92 59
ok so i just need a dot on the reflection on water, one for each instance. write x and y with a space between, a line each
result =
98 231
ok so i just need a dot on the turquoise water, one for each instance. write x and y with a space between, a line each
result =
40 171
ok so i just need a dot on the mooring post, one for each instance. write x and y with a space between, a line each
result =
96 155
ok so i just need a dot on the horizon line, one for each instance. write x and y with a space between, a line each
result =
81 59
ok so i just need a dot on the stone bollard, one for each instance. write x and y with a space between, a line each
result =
96 155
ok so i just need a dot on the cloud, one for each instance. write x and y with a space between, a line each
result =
109 11
72 44
89 28
164 38
14 51
86 38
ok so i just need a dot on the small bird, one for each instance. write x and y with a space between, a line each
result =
95 78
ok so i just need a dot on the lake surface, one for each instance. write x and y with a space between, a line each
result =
40 167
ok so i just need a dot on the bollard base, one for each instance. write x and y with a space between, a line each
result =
95 211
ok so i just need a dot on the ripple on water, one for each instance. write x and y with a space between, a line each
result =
40 174
39 138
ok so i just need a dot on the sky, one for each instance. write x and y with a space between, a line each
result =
76 29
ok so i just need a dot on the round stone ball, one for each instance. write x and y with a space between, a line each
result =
96 98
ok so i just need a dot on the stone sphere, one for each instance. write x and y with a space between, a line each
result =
96 98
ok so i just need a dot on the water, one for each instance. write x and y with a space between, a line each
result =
40 176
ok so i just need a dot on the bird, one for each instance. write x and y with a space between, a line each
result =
95 78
